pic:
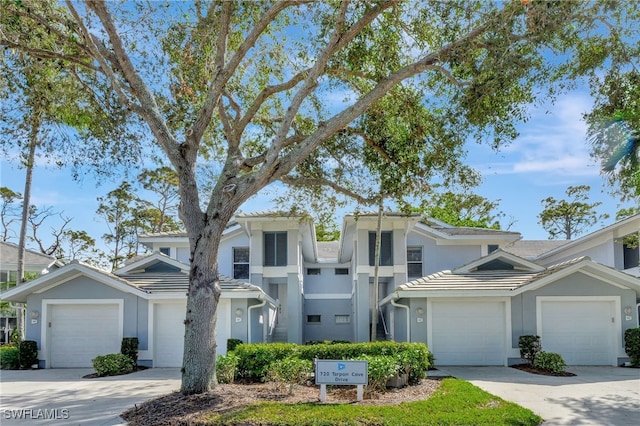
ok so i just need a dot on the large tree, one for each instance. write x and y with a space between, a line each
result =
570 217
254 88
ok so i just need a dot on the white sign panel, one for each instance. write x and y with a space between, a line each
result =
339 372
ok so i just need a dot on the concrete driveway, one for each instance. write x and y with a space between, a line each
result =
595 396
63 397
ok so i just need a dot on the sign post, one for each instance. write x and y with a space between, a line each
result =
340 372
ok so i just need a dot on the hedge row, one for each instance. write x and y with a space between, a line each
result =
254 360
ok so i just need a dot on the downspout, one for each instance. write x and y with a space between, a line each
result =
259 305
398 305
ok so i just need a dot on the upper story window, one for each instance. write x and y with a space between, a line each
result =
275 249
313 271
165 250
492 247
414 262
342 271
386 248
631 256
241 263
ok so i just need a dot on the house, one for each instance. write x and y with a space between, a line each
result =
467 293
35 263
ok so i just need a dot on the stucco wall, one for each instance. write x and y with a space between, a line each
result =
328 329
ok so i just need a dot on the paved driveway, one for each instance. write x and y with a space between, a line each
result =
64 394
595 396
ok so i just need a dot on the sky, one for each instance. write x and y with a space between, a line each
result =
550 154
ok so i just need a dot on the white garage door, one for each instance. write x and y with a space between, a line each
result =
468 333
169 332
581 331
78 333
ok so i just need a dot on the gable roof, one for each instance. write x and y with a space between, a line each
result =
531 249
618 229
136 280
474 283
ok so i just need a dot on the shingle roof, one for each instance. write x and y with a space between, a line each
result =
328 250
482 280
164 282
9 256
530 249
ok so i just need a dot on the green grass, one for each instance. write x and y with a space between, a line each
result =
456 402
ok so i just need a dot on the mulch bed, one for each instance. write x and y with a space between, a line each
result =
177 409
531 369
95 375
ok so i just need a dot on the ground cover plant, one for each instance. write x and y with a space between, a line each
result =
447 401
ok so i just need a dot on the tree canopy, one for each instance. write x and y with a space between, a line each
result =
248 91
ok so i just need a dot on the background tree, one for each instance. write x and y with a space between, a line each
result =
244 86
464 209
8 211
571 217
163 183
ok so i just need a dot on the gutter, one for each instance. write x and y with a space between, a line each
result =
259 305
396 296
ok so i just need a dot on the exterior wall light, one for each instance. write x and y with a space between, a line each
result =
420 311
239 312
628 310
35 315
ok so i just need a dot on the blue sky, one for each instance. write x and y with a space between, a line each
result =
550 154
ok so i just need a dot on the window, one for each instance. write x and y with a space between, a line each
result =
313 319
492 247
343 319
241 263
414 262
165 250
275 249
631 256
313 271
342 271
386 252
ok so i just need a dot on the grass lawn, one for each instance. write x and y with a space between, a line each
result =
456 402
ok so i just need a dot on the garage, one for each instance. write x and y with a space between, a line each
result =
467 332
582 331
80 332
168 325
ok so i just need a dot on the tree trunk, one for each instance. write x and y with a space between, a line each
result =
26 201
376 271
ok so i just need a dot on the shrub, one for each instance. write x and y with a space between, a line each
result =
28 353
112 364
232 343
254 359
632 345
129 347
226 367
9 357
380 369
550 361
289 371
530 347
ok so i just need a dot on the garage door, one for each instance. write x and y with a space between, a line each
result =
78 333
581 331
169 332
468 333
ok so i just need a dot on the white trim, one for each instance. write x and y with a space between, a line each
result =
327 296
617 319
155 257
44 329
506 350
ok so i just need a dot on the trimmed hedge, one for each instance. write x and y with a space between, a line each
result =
129 347
255 359
9 357
28 353
632 345
232 343
550 361
530 347
112 364
226 366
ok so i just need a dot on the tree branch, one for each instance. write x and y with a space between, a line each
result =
298 181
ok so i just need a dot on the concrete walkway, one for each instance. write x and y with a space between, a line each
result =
595 396
63 397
